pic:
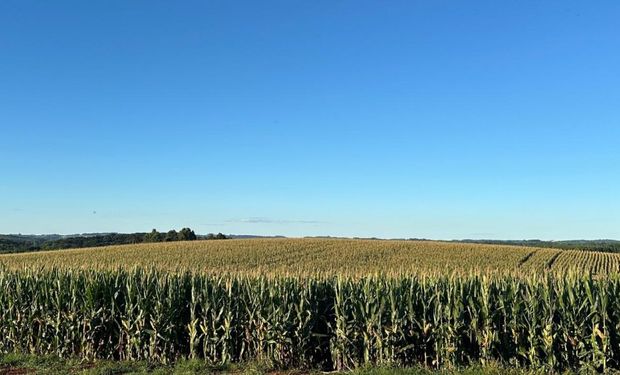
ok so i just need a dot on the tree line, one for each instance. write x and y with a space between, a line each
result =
16 244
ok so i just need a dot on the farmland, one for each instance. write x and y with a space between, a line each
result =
329 304
297 257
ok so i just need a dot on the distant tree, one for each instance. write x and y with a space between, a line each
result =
186 234
219 236
154 236
137 237
172 235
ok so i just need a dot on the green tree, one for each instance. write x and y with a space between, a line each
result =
186 234
154 236
172 235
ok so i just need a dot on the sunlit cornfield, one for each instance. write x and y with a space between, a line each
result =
321 256
316 303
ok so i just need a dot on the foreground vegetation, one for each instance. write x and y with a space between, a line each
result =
20 364
328 323
316 304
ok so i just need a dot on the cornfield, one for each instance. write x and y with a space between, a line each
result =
310 257
341 310
332 323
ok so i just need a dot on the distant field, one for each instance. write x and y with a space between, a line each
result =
321 256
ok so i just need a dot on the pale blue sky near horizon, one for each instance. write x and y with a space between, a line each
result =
435 119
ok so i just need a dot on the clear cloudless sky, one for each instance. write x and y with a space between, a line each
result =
437 119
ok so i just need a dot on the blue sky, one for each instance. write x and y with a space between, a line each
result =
437 119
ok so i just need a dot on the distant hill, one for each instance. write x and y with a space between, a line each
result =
18 243
335 256
15 243
604 245
241 236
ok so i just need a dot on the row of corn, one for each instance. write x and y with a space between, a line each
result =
323 322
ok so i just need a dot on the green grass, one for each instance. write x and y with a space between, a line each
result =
20 363
31 364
